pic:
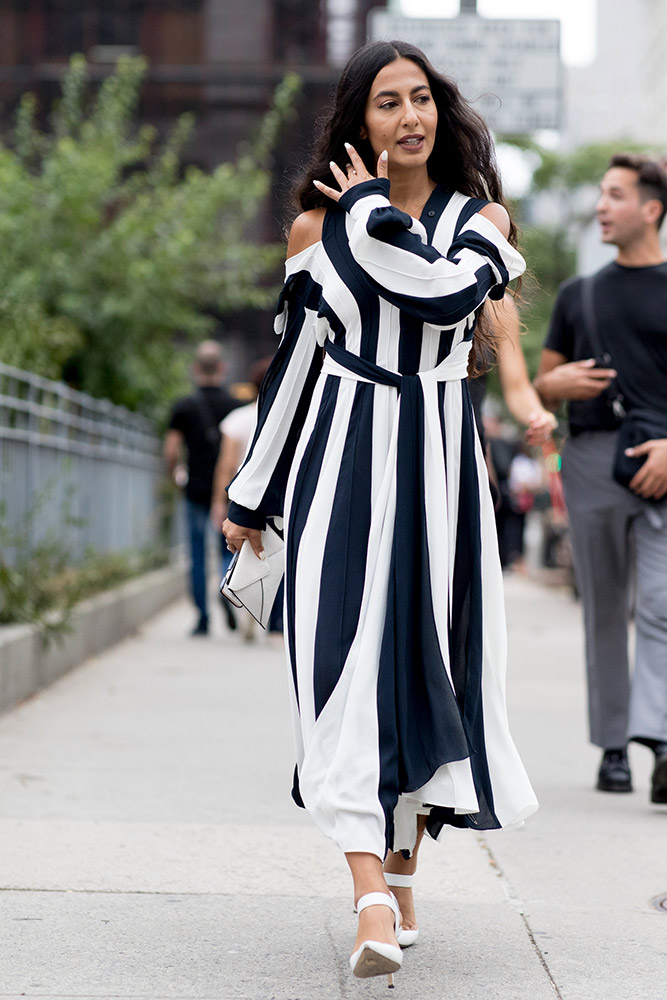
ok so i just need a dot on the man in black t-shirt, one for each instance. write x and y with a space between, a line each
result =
618 533
194 427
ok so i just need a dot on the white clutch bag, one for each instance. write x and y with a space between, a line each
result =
253 583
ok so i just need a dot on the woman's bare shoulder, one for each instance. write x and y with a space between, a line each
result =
498 215
306 230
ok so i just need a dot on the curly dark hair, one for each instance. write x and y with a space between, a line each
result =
463 157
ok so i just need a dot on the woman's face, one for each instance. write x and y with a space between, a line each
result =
401 115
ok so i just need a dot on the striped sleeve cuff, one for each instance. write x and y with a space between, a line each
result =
247 518
370 209
377 189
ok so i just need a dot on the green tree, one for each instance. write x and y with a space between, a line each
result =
111 254
551 259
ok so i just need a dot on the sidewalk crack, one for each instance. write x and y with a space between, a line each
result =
514 901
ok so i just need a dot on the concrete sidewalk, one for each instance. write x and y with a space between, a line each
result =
149 848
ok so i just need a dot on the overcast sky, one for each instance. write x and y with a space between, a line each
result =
577 18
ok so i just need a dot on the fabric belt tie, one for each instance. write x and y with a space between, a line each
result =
415 660
419 420
345 364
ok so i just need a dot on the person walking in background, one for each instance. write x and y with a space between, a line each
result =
366 445
236 432
194 430
525 406
619 534
524 482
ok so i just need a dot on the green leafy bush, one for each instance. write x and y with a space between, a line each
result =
40 586
111 256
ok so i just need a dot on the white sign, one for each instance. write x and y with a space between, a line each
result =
511 69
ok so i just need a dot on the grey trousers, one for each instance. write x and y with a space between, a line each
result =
618 539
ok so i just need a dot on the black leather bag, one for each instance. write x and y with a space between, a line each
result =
635 426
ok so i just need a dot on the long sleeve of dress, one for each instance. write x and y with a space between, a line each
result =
441 290
258 489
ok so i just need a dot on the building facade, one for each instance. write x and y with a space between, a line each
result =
623 93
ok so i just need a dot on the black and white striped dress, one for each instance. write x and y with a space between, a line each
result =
366 445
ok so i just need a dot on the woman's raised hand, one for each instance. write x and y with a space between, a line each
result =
354 173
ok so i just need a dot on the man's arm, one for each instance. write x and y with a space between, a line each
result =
558 379
172 450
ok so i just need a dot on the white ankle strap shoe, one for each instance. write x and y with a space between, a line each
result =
377 958
405 937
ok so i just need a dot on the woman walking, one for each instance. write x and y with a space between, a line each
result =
366 446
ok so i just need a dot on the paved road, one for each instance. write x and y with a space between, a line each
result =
149 848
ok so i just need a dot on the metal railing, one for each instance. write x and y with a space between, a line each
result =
76 467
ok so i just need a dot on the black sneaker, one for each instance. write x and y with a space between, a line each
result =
201 628
614 774
659 776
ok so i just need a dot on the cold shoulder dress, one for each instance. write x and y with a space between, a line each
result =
366 446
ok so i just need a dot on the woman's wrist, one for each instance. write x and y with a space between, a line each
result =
376 188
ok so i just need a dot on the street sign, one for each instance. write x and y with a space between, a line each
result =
510 68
